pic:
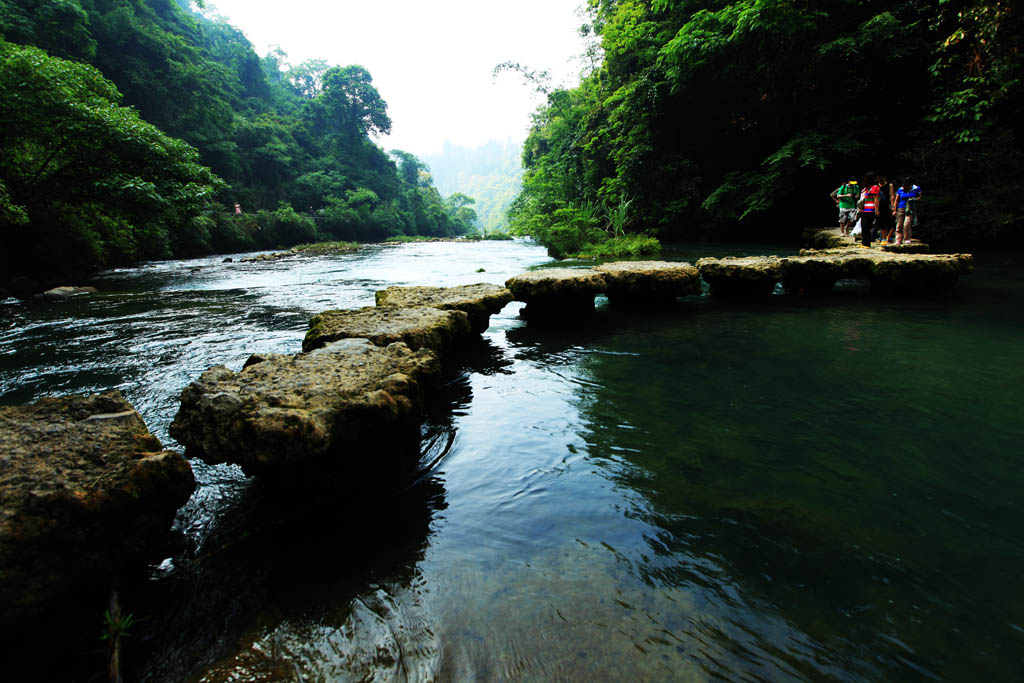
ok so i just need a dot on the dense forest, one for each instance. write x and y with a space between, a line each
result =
130 128
735 120
492 174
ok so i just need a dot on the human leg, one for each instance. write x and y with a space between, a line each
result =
867 223
901 221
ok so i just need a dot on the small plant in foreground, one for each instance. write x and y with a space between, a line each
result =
116 625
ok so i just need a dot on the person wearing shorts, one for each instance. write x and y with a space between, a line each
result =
845 197
906 210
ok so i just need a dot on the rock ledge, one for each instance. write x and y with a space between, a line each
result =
479 301
83 487
280 410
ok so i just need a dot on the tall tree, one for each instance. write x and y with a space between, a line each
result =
87 182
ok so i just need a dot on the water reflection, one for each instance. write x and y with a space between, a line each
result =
276 558
816 544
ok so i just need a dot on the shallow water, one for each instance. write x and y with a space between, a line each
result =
787 489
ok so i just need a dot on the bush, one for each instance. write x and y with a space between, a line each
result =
286 227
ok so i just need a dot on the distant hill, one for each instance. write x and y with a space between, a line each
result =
491 174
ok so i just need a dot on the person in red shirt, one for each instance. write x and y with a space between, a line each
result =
868 205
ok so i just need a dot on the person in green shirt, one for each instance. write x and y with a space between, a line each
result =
845 197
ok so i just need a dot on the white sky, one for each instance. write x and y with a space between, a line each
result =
430 61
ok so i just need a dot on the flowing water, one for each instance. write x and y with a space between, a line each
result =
790 489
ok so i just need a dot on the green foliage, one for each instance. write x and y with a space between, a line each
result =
492 174
326 248
58 26
622 246
100 184
285 227
741 115
116 625
97 183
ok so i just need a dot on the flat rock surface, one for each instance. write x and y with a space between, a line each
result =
282 409
420 327
650 278
746 274
555 283
963 262
887 270
479 301
757 266
83 487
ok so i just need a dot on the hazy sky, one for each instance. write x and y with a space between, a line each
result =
430 61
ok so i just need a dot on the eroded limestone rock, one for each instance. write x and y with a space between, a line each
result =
649 280
421 327
897 272
741 276
280 410
920 273
811 274
824 238
83 487
555 291
479 301
911 248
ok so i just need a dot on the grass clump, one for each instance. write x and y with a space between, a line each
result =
319 248
623 245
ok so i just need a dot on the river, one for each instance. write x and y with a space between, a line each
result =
789 489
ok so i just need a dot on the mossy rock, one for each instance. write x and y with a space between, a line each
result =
824 238
478 301
912 248
734 276
811 274
649 281
551 292
84 488
420 327
280 410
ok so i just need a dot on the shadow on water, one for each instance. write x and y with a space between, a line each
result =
299 553
302 577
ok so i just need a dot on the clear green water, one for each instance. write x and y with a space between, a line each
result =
782 490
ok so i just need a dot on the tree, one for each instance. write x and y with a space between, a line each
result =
97 183
724 116
409 167
350 103
307 78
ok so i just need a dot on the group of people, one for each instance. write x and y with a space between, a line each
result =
880 210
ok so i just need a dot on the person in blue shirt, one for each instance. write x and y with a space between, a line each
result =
906 210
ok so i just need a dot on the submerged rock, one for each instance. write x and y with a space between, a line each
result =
83 487
479 301
421 327
555 291
649 280
343 401
67 290
746 275
262 258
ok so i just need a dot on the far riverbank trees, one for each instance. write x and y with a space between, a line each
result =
179 119
736 119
